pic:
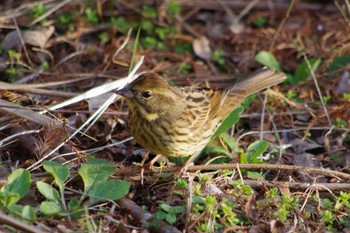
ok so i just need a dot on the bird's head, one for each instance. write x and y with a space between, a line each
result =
151 96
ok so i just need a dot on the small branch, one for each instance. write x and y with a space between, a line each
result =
311 170
290 7
21 226
299 185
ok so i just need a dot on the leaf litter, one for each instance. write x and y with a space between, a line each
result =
48 74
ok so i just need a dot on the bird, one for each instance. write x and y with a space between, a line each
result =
179 121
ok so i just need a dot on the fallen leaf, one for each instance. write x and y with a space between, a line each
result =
36 38
201 48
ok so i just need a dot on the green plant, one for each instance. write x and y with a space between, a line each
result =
182 47
338 63
336 158
45 65
122 24
346 96
281 206
302 72
168 213
327 218
218 58
91 16
97 188
185 68
67 17
14 56
174 8
231 120
341 123
103 36
37 11
16 188
260 21
15 59
12 74
66 20
149 11
292 94
254 152
213 213
268 59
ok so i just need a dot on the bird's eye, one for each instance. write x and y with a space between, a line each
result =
146 94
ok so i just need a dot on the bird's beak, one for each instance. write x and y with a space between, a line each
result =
126 92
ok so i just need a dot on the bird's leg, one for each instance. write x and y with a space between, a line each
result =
186 164
150 164
142 168
144 159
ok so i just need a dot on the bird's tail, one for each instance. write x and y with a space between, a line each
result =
259 80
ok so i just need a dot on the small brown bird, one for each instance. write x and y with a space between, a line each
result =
179 121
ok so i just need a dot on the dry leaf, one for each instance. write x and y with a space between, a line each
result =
201 48
35 38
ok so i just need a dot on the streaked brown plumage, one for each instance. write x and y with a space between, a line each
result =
179 121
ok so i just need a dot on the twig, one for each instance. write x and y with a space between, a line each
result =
49 12
315 82
21 226
299 185
290 7
25 113
22 42
311 170
262 5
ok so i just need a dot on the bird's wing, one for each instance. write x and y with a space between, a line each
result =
202 105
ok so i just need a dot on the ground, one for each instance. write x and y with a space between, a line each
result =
283 166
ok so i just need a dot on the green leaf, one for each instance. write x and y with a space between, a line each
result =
247 189
95 176
149 11
170 218
74 208
147 25
179 209
160 215
254 175
338 62
18 182
228 140
108 190
73 204
229 121
50 208
243 158
267 58
48 192
95 171
303 72
260 21
8 198
166 207
59 172
148 41
217 150
181 183
173 7
255 150
28 213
